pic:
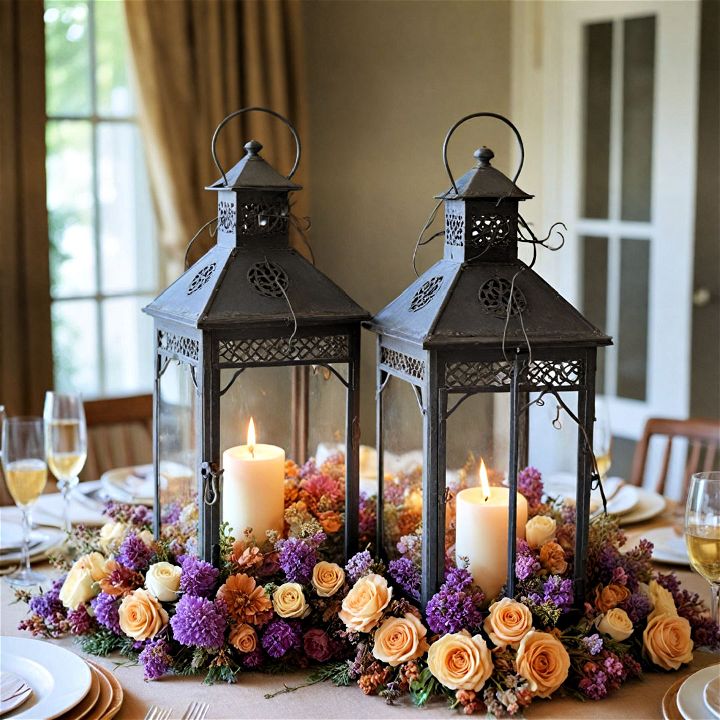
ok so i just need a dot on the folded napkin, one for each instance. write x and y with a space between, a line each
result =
14 691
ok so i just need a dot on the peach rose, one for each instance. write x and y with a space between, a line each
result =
667 641
508 622
610 596
330 521
616 623
460 662
363 606
552 558
398 640
540 530
327 578
661 599
243 638
289 601
141 615
81 583
543 661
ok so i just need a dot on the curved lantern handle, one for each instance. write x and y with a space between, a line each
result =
280 117
502 118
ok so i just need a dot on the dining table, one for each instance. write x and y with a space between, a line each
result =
639 698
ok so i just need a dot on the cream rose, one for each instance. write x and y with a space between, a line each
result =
543 661
363 606
111 536
163 581
81 583
661 599
616 624
141 615
540 530
147 537
399 640
460 662
289 601
667 641
243 638
327 578
508 622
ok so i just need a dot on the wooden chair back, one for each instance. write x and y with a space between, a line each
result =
703 438
119 433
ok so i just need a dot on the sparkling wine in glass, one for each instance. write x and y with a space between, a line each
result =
702 531
23 458
602 438
65 444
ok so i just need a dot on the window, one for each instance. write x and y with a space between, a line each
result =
103 253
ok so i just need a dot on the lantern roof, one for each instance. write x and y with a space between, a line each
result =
484 182
458 305
253 173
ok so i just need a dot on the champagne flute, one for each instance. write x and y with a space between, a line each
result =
602 438
702 532
25 474
65 444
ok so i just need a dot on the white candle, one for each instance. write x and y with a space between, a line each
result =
482 532
254 487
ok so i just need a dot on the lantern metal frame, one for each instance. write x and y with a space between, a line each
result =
251 302
454 333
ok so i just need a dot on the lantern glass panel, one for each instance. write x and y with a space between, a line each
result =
402 444
177 442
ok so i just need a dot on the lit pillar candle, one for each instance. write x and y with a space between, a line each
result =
254 487
482 532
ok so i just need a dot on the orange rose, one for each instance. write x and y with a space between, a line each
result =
508 622
552 558
543 661
331 521
363 606
610 596
141 615
667 641
460 662
243 638
327 578
399 640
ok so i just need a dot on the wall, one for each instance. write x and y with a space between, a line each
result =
385 81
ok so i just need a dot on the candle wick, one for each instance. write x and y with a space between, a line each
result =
252 451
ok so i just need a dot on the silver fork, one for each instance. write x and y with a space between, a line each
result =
196 711
155 712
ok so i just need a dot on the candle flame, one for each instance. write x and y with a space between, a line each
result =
484 483
251 437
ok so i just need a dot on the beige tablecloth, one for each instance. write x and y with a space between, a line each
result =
637 699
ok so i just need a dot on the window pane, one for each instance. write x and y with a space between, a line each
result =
128 255
67 58
74 332
595 268
633 326
127 345
70 208
111 67
638 94
596 166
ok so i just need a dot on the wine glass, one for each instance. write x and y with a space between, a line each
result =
602 438
702 531
65 444
25 474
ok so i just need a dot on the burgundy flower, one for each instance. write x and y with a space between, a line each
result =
317 645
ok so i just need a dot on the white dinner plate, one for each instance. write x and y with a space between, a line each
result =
711 695
690 700
622 498
650 504
42 541
134 485
59 678
668 546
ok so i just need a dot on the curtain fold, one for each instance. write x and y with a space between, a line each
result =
196 61
25 337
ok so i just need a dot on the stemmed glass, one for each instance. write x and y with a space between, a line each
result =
23 459
602 438
702 531
65 444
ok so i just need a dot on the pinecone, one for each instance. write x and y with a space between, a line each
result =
411 671
373 679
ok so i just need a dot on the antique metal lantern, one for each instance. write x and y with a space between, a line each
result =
463 354
252 338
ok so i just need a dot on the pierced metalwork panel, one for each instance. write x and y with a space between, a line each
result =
454 225
268 279
479 374
258 217
498 374
403 363
489 230
426 293
180 345
201 277
494 296
568 373
267 350
226 215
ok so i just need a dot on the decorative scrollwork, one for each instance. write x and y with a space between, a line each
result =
256 217
547 373
180 345
201 277
559 374
333 348
426 293
268 279
494 296
479 374
454 226
226 215
404 363
489 230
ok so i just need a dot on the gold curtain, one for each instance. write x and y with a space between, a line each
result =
196 61
25 339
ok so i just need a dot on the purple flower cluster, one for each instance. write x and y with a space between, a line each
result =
106 612
407 575
593 643
637 606
358 565
199 622
197 577
252 659
155 658
298 556
48 605
81 622
602 675
456 605
557 591
134 553
281 636
141 516
530 484
171 513
526 564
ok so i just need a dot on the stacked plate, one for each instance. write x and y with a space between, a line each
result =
42 680
136 486
694 698
42 540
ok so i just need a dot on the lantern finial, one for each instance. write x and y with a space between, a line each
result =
484 155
